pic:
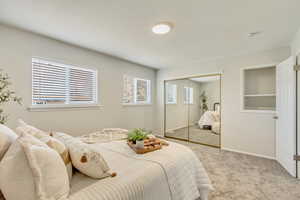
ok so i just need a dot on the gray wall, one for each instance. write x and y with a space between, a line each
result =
295 45
18 47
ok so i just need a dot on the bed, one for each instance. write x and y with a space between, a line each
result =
211 119
172 173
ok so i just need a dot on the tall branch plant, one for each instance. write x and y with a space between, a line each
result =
6 95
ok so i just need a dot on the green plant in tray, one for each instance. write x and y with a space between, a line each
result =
137 134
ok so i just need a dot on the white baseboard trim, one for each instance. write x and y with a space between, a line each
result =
251 154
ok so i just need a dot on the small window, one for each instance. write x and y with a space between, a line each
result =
171 93
188 95
136 90
59 84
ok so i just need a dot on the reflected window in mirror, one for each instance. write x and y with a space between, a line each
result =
188 95
171 93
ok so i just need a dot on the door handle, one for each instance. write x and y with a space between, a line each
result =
275 117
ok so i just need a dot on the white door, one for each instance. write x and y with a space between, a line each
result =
286 112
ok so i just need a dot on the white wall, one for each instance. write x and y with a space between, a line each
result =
18 47
246 132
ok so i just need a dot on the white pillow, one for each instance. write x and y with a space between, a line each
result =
48 170
84 158
50 141
7 136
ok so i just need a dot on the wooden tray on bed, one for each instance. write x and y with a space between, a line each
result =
149 146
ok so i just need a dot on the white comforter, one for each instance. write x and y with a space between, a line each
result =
172 173
209 118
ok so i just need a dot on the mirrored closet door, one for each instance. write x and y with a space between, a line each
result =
192 109
176 110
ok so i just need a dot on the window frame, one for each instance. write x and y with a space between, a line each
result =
133 99
149 96
41 107
174 93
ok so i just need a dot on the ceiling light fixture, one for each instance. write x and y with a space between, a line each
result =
254 34
162 28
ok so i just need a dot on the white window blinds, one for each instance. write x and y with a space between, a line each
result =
55 83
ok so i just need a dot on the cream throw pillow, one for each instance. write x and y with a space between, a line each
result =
50 141
48 170
7 137
31 170
84 158
16 180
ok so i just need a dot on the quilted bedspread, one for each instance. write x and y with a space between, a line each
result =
172 173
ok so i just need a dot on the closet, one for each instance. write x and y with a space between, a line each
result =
193 109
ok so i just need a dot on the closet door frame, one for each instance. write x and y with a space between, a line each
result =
297 61
220 74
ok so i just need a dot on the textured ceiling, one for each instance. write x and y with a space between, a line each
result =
203 29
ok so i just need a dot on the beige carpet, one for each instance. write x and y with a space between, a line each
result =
242 177
196 134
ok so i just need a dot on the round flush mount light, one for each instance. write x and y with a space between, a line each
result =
254 34
162 28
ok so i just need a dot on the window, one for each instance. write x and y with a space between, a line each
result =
171 93
188 95
136 91
59 84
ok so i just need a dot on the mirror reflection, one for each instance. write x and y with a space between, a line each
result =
193 109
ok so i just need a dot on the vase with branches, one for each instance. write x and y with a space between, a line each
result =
6 95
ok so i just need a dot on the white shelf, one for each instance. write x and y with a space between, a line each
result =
258 92
260 95
260 108
259 111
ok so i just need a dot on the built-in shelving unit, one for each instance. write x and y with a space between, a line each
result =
259 89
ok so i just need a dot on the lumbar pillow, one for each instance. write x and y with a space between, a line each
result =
7 136
26 174
50 175
50 141
84 158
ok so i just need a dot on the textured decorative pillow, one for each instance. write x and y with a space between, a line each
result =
84 158
30 130
50 141
50 174
16 180
1 196
7 137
